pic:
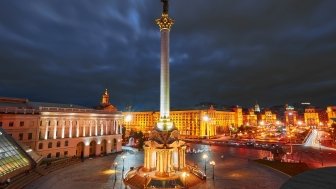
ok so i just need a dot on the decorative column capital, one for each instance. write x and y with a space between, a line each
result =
164 22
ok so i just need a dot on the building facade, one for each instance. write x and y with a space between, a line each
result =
268 118
190 123
331 113
311 117
58 130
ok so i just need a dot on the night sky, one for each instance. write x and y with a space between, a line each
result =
232 52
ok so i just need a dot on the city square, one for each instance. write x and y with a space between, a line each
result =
230 95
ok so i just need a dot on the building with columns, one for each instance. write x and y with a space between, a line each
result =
191 123
58 130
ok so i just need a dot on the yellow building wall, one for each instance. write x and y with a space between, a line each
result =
189 122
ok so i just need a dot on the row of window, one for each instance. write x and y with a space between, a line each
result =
58 154
11 124
50 144
30 136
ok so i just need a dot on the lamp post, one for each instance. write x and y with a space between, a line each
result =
206 119
123 160
213 163
115 170
205 157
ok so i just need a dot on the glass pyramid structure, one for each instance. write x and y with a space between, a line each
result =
13 159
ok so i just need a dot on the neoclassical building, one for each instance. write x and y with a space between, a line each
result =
58 130
190 123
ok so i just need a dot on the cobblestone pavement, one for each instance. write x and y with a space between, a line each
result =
233 170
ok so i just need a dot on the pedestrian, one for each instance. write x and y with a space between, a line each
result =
8 181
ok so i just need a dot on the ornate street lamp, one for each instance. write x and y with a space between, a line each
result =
213 163
123 160
205 157
115 170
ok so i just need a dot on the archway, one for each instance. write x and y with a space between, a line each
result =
103 147
80 150
93 145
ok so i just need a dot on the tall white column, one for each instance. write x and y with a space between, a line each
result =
63 125
101 128
70 129
46 130
84 133
117 127
55 129
90 127
96 127
77 128
164 81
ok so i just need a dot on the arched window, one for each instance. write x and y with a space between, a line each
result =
58 144
50 145
40 145
66 143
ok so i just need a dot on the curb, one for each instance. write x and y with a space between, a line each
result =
276 170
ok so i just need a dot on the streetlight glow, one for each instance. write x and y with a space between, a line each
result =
128 118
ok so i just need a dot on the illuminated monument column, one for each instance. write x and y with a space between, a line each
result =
164 152
165 24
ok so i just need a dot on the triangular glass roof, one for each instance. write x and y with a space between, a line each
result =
12 156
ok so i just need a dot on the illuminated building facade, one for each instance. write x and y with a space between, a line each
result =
250 118
311 117
58 130
268 118
291 116
331 113
190 123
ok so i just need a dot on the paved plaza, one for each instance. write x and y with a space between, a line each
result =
233 170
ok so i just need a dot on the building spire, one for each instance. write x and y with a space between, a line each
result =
105 98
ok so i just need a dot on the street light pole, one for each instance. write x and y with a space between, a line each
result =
123 160
115 171
205 157
213 163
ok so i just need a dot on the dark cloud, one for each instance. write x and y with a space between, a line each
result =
229 52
